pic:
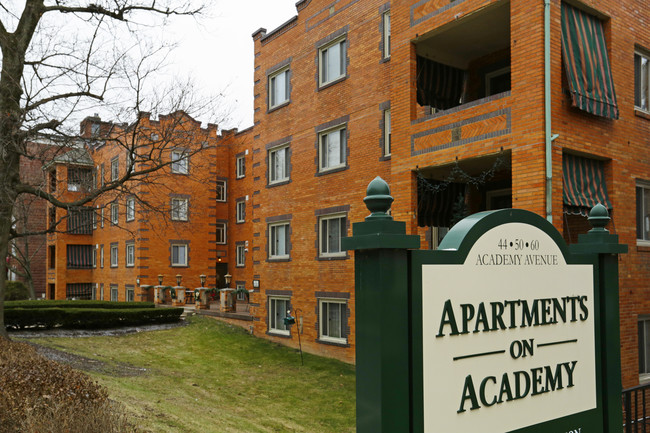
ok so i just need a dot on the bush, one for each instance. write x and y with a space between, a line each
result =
38 395
78 304
87 318
15 291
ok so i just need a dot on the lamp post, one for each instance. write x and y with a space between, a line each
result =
227 278
202 277
179 277
160 279
159 296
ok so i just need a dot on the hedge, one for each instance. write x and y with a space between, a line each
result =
15 290
87 318
78 304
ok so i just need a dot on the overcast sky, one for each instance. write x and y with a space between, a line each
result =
218 50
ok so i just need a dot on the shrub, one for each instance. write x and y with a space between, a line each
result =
38 395
77 304
15 291
87 318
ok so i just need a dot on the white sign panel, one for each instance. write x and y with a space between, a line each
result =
508 336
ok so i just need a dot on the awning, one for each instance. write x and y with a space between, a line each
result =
587 63
437 202
439 86
80 256
584 184
79 290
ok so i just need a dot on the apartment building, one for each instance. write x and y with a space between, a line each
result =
169 222
461 106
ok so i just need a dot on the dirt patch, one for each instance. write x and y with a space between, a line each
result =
89 365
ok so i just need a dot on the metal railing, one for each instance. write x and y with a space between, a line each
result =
636 418
189 297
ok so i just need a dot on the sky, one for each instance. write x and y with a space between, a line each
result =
217 51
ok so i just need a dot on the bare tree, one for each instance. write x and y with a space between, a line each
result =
63 57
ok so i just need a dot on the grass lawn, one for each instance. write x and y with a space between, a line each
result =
214 377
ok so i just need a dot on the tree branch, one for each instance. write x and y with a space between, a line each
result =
119 13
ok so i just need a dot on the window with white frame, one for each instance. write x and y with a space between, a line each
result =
179 254
279 164
332 149
130 208
279 240
221 233
114 292
130 294
331 229
95 219
130 162
644 346
180 163
101 218
241 211
95 257
643 212
642 80
115 168
94 294
114 252
278 87
101 256
387 133
241 295
179 209
130 254
278 309
331 320
332 61
240 167
221 190
240 253
386 35
115 213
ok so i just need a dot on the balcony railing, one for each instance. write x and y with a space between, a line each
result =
636 418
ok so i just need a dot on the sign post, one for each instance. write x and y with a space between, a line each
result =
504 329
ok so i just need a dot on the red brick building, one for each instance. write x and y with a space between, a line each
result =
447 102
461 106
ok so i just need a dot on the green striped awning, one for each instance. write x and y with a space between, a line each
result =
587 63
584 184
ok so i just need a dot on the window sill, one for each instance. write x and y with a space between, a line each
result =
277 107
179 266
240 177
330 258
638 112
180 173
324 172
331 83
279 259
278 183
339 343
643 246
281 334
385 59
644 378
385 158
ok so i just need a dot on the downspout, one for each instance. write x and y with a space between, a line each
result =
548 137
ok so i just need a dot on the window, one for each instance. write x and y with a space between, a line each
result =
101 291
53 181
130 254
114 292
332 62
221 190
79 178
101 256
241 296
642 81
241 167
94 258
130 208
80 221
497 81
278 308
241 211
52 256
115 168
241 255
278 165
221 233
130 294
115 212
332 314
279 241
114 255
387 133
79 256
278 88
332 149
101 218
94 294
94 129
643 212
331 228
130 162
101 177
94 217
644 346
52 217
179 209
179 254
386 35
179 162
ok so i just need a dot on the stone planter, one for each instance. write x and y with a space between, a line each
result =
159 295
202 301
227 297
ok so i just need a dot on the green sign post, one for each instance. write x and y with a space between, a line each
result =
502 329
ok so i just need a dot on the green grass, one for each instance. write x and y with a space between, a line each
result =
214 377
